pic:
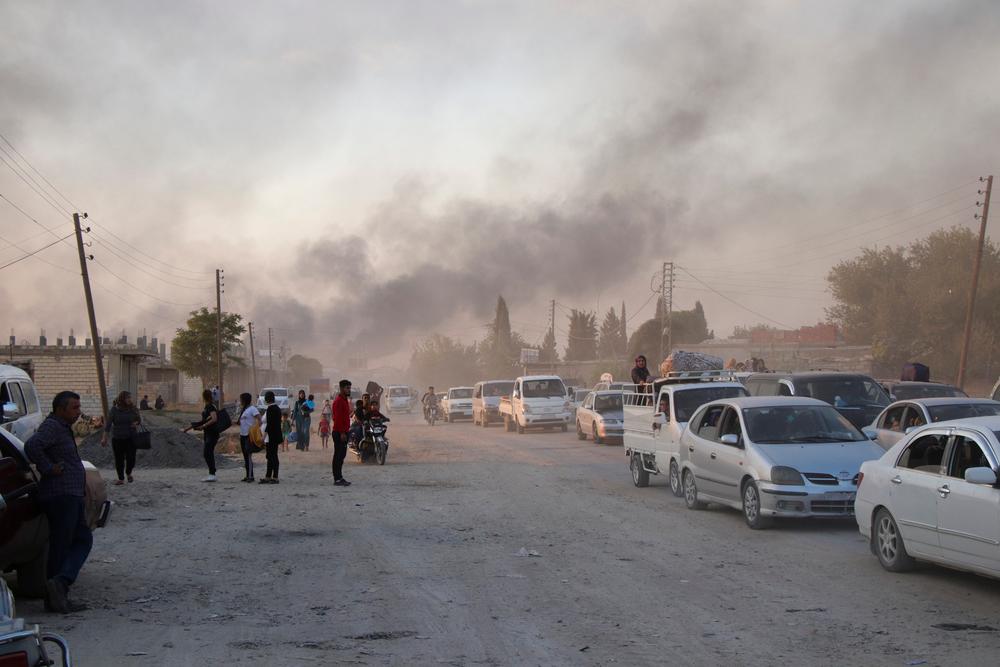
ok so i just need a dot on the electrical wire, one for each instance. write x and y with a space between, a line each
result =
146 271
40 174
24 176
733 301
143 292
33 253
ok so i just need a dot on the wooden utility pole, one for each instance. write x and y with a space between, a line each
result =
253 358
98 360
970 307
218 330
270 353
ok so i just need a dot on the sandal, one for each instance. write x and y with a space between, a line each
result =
119 482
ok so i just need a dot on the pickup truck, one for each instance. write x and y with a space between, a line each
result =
457 404
658 412
536 401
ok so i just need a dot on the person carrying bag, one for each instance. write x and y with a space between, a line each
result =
123 424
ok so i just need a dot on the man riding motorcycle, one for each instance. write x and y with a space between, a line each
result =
429 400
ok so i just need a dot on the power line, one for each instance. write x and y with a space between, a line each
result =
141 291
47 181
201 274
33 253
17 169
733 301
143 269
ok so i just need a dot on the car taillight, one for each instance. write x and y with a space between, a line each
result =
19 659
858 479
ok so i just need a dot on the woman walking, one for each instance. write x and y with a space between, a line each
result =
303 421
123 421
273 427
249 417
209 415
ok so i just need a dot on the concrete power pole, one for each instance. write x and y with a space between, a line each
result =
218 331
253 358
98 360
970 307
270 353
670 307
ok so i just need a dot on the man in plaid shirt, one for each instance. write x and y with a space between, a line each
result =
60 493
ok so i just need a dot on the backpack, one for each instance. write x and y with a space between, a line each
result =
223 420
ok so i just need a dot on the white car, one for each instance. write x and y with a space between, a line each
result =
902 416
933 496
399 398
773 456
457 404
280 398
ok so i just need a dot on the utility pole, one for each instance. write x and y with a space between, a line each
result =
98 360
253 357
218 330
970 307
670 307
270 353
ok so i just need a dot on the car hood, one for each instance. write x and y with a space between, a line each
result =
826 457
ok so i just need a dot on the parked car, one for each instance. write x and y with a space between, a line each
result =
24 530
536 401
486 397
773 457
577 399
933 496
601 416
20 409
858 397
399 398
457 404
280 398
902 416
900 390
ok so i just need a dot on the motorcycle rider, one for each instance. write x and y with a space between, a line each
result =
429 400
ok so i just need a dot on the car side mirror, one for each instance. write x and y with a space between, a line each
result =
870 433
11 411
730 439
981 475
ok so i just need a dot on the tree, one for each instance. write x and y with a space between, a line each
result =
444 362
909 302
548 352
624 321
582 344
689 327
194 350
302 369
611 345
500 350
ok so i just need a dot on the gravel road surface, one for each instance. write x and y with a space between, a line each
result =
475 546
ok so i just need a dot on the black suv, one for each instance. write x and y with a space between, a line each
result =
858 397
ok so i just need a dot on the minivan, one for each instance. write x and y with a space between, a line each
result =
486 400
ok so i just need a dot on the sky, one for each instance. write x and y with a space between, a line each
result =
369 173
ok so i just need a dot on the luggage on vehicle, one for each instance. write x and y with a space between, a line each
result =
915 372
690 361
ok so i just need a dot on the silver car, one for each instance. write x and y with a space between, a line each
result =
902 416
773 456
601 416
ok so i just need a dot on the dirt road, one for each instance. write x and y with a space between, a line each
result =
418 563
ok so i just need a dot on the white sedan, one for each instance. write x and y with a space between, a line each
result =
933 496
902 416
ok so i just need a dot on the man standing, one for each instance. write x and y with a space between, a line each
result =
341 425
60 493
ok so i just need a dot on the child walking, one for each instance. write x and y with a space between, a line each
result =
324 430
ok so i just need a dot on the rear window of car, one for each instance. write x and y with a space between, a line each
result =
909 391
399 391
608 403
942 413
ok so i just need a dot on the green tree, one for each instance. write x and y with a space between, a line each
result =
444 362
689 327
500 350
548 352
908 303
610 344
302 369
194 350
582 343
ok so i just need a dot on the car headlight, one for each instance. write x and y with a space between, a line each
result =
786 475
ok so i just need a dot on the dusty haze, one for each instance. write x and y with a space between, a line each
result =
379 171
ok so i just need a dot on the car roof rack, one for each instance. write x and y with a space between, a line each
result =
689 377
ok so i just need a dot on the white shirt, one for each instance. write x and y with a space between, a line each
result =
246 419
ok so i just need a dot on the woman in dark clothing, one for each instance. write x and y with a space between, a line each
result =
208 418
303 421
640 374
272 427
123 421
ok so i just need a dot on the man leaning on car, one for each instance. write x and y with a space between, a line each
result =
60 492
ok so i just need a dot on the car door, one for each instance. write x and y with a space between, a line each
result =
890 426
586 416
10 392
702 450
969 514
33 419
726 459
913 491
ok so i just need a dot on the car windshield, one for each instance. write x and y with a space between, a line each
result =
688 400
943 413
399 391
580 395
460 393
608 403
794 424
906 392
498 389
279 393
551 388
843 392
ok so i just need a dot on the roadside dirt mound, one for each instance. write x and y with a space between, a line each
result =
171 449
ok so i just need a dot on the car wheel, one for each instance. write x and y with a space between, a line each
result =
675 480
31 576
752 510
889 545
596 436
640 476
579 432
691 492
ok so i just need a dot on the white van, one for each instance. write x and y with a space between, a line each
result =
486 400
22 411
399 398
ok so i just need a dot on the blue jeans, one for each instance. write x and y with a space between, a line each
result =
70 538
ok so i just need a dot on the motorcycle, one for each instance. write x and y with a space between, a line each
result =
431 414
375 444
21 645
